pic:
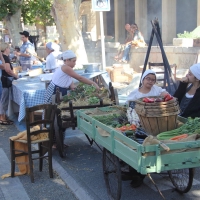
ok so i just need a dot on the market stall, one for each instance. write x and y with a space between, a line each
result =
128 140
83 97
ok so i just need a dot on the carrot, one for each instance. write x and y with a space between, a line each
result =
179 137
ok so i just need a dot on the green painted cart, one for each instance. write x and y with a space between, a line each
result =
178 162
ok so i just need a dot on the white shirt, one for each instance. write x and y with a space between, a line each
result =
61 79
52 62
136 94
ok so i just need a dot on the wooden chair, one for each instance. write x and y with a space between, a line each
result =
44 145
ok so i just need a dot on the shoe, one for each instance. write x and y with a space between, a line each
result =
136 182
126 176
6 122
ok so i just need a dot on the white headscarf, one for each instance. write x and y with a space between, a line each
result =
148 71
66 55
53 46
195 69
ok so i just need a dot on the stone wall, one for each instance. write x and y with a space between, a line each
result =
183 57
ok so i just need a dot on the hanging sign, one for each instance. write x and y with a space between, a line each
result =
101 5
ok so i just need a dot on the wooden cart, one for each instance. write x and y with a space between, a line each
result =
178 162
63 122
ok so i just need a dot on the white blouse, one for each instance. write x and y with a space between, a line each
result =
136 94
52 62
61 79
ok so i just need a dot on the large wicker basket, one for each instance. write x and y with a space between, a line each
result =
157 117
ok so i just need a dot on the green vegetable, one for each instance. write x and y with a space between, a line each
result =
128 133
93 100
190 127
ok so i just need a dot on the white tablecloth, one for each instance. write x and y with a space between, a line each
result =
28 92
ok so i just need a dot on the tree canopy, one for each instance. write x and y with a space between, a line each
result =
37 11
33 11
9 7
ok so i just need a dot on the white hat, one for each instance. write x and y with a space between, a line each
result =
52 46
148 71
195 69
66 55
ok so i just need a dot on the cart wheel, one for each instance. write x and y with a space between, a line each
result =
112 174
182 179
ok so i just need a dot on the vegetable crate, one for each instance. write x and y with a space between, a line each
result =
179 161
145 159
157 117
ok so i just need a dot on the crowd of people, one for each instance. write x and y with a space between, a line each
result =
61 64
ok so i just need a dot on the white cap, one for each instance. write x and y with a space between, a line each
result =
52 46
148 71
195 69
66 55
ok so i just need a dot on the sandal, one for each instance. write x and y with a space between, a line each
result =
6 122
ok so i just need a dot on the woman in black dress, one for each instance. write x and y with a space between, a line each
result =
6 77
188 93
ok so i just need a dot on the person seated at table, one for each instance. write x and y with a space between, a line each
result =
148 87
137 41
53 50
6 74
62 77
188 93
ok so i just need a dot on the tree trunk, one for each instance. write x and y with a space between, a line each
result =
65 14
14 26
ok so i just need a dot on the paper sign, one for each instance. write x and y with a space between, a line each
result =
101 5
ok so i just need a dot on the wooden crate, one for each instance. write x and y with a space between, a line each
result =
145 159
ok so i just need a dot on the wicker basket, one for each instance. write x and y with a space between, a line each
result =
157 117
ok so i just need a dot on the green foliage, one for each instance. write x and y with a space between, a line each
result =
82 91
8 7
37 11
33 11
194 34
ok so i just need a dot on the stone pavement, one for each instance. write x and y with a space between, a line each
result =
21 188
78 176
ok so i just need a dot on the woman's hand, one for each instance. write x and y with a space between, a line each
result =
72 86
185 80
96 86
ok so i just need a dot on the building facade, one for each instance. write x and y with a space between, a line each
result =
174 16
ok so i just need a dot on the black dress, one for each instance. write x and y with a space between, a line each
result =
4 73
193 108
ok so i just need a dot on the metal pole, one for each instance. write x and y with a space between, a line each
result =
102 42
